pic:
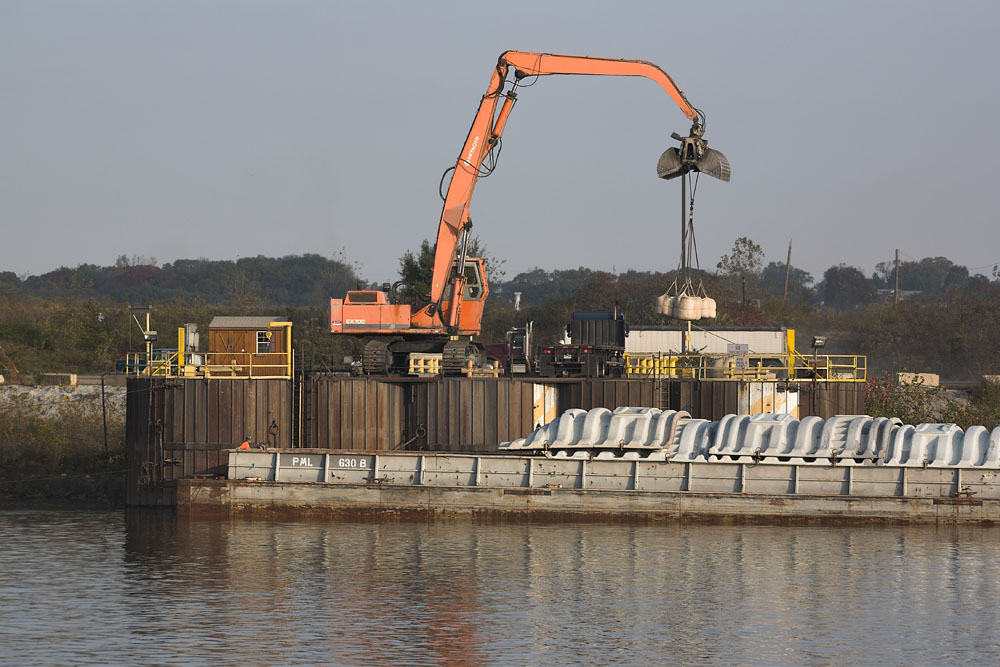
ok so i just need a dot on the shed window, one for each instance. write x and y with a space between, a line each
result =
263 342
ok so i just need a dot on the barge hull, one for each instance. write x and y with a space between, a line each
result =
431 484
357 499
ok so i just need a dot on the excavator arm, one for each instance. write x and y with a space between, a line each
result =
485 135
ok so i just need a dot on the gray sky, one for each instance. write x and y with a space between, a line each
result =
232 128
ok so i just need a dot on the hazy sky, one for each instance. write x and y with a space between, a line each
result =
225 129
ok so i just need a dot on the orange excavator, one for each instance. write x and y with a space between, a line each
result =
395 332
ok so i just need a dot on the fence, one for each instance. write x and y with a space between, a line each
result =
167 364
716 367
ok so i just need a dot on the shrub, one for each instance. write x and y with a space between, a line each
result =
983 408
61 455
913 403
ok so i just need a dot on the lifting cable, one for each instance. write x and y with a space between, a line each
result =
692 243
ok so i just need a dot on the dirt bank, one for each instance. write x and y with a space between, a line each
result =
52 401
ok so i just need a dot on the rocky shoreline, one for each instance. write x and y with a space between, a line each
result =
51 401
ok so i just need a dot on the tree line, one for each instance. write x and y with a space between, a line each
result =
77 319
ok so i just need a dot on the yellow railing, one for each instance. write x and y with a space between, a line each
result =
212 364
823 368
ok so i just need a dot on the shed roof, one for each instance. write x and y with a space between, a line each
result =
249 322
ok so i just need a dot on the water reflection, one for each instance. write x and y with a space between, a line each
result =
149 587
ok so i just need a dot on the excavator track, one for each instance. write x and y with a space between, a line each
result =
375 358
456 355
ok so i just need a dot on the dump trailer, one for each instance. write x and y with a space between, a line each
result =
593 346
596 347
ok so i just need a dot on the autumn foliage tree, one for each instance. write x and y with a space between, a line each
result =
742 265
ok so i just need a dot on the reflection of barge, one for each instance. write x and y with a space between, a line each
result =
763 467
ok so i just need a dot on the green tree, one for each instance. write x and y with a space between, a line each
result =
743 260
742 266
10 284
912 402
847 287
772 282
416 270
539 286
983 408
931 275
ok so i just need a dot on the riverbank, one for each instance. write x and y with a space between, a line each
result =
62 443
49 401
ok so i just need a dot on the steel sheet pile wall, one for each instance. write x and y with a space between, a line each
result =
708 399
833 398
177 428
454 414
353 413
470 415
476 414
610 394
714 400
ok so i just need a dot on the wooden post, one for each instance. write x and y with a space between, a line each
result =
895 293
104 414
788 268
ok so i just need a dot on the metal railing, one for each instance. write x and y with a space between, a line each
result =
756 367
241 365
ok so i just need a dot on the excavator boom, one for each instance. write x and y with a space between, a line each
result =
487 129
458 290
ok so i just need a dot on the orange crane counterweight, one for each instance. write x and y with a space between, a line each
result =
459 287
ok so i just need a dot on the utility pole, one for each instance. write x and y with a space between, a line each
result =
895 293
788 268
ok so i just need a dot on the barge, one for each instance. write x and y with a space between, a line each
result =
650 464
735 445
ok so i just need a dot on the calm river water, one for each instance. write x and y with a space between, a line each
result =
148 588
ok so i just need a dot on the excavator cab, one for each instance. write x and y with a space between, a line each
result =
475 281
474 293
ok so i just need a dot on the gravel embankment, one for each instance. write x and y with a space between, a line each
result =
50 400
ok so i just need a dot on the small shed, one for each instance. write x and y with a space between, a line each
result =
253 346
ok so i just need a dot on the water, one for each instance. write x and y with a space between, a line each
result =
148 588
